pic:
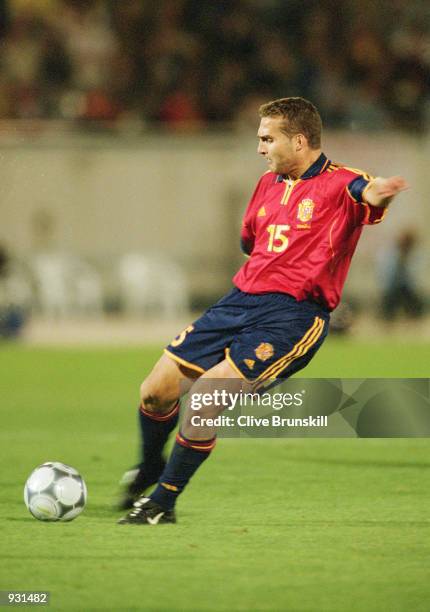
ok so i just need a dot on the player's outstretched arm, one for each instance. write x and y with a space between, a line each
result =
381 191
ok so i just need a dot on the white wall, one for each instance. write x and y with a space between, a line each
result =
182 196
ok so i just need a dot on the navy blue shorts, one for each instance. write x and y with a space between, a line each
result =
263 336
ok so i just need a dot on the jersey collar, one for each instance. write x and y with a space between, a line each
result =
317 167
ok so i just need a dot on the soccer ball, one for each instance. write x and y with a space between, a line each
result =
55 492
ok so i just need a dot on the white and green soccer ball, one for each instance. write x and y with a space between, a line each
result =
55 492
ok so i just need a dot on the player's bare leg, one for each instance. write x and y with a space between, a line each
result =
222 377
192 447
164 385
158 416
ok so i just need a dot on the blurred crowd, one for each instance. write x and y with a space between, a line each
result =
190 63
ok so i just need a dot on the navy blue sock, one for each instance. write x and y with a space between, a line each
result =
187 456
155 430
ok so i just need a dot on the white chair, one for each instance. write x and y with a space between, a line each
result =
66 285
152 285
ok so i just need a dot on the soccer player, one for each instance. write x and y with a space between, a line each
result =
300 231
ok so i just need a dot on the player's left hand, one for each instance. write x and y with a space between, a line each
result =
382 190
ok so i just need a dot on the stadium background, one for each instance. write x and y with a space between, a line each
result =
128 152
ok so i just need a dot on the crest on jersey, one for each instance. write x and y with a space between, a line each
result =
305 210
264 351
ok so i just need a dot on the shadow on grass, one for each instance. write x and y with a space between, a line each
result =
103 511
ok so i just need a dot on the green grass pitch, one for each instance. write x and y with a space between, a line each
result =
265 525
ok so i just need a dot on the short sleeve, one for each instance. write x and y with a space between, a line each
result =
363 213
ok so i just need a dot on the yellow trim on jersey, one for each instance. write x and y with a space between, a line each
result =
288 190
383 215
365 175
368 205
367 215
363 199
352 197
300 349
187 364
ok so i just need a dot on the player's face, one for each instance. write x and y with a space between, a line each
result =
275 146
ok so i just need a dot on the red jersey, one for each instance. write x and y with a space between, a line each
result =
301 234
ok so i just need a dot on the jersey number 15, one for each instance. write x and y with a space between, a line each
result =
278 242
